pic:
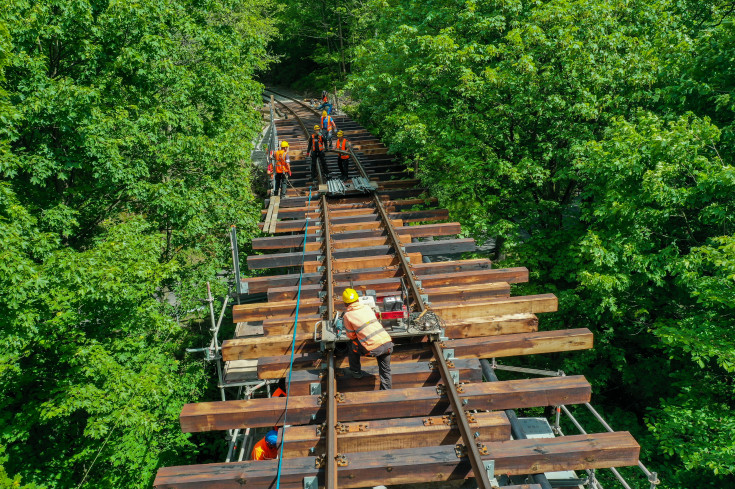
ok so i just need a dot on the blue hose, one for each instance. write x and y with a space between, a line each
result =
293 348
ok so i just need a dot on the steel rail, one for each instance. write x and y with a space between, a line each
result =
473 452
331 395
331 456
463 424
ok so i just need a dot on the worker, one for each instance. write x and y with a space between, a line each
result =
281 390
266 448
368 337
328 127
343 160
325 103
316 150
283 167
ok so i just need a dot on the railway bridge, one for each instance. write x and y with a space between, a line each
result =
448 416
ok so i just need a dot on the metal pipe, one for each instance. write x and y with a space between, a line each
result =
534 371
245 442
515 425
582 430
233 441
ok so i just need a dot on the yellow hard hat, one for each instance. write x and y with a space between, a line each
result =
340 134
284 144
349 296
324 112
316 127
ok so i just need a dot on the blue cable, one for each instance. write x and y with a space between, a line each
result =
293 348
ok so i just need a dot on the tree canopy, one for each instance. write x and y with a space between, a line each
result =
124 155
592 141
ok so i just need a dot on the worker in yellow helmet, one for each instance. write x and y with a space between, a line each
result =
343 160
368 337
315 149
328 128
283 167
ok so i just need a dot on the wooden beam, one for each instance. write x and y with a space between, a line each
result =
510 275
404 376
392 434
360 406
350 264
296 241
414 465
468 292
491 326
509 345
533 304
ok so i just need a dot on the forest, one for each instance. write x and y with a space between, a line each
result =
591 141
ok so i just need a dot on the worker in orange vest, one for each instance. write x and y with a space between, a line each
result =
343 161
368 338
266 448
283 167
315 148
325 103
328 127
281 389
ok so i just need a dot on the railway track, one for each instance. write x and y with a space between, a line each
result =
440 421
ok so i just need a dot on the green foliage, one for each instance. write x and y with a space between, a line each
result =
656 197
7 482
592 141
124 155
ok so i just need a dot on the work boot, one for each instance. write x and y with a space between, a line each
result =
357 375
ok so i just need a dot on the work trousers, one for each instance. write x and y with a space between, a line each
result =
281 179
381 353
343 164
326 106
322 162
328 135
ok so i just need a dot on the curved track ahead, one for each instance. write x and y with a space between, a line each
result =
356 435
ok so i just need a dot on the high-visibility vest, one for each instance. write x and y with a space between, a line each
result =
282 166
317 142
362 325
279 393
261 451
342 146
325 99
327 122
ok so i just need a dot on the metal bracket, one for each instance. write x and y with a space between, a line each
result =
433 364
461 451
315 389
321 268
448 353
489 468
455 376
342 460
343 428
311 482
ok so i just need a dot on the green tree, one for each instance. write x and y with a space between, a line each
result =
659 264
124 157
